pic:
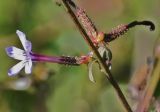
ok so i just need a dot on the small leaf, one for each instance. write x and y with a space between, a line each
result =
90 66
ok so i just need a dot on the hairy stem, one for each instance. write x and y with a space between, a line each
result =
86 37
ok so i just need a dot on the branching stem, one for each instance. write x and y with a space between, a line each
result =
90 43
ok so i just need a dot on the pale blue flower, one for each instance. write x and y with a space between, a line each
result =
26 57
23 55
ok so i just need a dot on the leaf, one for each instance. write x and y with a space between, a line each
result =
90 66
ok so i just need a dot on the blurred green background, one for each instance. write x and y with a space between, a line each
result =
60 88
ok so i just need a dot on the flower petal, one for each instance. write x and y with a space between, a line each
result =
16 69
26 44
28 67
15 53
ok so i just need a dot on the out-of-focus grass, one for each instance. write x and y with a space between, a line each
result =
52 32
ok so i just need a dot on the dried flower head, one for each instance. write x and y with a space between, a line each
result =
122 29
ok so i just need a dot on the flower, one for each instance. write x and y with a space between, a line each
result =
26 57
19 54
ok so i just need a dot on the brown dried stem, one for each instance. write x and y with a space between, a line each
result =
145 101
88 40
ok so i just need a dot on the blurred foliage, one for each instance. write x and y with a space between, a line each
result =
59 88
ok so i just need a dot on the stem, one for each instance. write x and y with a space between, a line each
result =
86 37
144 103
